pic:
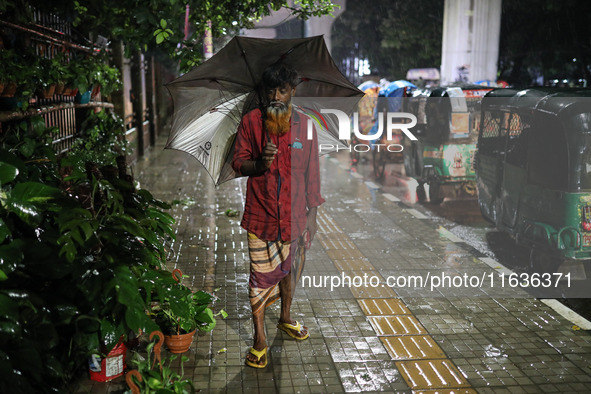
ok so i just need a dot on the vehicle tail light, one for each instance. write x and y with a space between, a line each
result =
586 218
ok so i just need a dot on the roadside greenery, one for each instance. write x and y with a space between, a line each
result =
82 253
158 26
82 249
183 311
393 35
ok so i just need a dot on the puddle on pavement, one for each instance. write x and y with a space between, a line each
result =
491 351
361 235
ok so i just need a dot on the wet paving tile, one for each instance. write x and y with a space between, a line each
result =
446 323
371 377
340 307
345 326
356 349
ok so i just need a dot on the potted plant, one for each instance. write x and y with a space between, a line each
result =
48 75
69 78
150 377
107 79
181 313
7 80
60 72
18 77
84 74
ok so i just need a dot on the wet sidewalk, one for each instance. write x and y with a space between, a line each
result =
373 327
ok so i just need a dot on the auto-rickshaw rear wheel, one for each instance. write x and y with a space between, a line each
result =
412 159
434 182
409 162
435 191
421 194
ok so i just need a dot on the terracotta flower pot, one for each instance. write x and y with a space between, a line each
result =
59 88
96 90
9 89
68 91
179 343
48 92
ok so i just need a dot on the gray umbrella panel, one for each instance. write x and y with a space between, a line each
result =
207 137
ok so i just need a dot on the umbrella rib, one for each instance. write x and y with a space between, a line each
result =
245 62
214 79
293 48
356 91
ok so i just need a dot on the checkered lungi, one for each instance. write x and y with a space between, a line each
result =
271 261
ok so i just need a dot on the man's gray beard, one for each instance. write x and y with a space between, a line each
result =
275 112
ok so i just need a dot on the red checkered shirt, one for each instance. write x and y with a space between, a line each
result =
278 200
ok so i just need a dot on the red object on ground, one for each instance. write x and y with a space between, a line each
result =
111 367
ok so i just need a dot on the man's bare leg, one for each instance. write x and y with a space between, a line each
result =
260 340
285 316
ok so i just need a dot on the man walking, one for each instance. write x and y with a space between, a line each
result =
283 192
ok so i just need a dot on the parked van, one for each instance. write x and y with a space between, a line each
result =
533 169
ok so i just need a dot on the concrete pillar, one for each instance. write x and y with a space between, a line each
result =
470 47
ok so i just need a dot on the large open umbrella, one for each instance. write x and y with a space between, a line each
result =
210 100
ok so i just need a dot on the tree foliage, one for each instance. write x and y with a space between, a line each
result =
542 38
158 26
393 35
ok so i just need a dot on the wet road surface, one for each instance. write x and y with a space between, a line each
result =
461 214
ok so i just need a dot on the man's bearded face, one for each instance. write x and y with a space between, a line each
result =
279 109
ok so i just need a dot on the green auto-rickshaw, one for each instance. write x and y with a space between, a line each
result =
447 129
534 169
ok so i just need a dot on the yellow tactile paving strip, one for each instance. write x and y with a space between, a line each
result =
373 292
429 374
382 307
412 347
349 264
396 325
338 255
421 362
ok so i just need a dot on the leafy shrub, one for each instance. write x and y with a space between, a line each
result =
82 253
